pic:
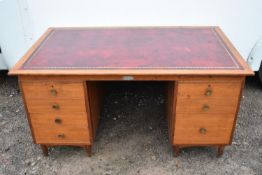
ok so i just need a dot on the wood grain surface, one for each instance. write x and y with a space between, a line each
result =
63 90
46 105
191 90
218 128
221 105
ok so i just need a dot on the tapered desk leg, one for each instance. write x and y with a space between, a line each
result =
220 150
44 150
88 149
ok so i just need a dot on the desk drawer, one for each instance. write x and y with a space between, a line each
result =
203 129
191 90
59 120
62 128
55 106
53 90
207 106
61 135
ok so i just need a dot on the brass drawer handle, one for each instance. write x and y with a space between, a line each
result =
53 92
202 130
58 121
61 136
55 106
205 108
208 92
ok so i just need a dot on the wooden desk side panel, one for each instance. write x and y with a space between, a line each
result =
26 109
238 108
171 90
95 98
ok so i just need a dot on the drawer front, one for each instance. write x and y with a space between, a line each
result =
63 128
208 90
203 129
57 90
61 135
207 106
55 106
59 120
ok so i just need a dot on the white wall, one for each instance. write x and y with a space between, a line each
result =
240 19
12 32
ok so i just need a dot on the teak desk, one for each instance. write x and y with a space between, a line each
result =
60 79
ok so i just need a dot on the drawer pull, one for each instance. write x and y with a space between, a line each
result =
58 121
202 130
208 92
55 106
61 136
53 92
205 108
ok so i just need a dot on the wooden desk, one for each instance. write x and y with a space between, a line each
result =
60 79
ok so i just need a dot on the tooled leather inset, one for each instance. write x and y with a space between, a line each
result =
133 48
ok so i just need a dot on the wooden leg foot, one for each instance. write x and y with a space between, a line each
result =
44 150
88 149
220 151
175 151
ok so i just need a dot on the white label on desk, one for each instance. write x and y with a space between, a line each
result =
128 78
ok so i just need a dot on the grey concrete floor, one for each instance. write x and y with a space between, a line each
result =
132 137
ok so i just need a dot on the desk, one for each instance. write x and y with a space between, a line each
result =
61 80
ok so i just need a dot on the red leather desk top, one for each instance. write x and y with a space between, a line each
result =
132 48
